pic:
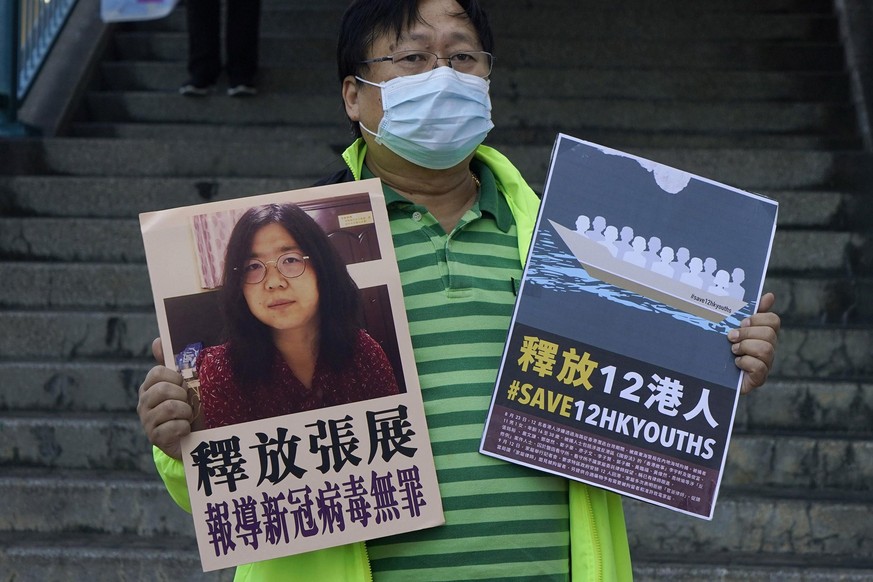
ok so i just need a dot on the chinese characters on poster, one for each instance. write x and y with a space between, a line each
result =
617 370
342 468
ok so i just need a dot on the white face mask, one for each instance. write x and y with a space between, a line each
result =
434 119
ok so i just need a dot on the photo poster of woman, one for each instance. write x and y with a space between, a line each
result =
284 315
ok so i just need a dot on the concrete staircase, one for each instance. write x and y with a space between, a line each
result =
754 93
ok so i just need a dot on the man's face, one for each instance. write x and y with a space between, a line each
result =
439 31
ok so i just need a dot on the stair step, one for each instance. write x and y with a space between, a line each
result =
814 250
716 85
337 136
779 525
734 567
306 110
799 208
615 138
92 442
804 352
681 6
68 335
619 54
83 385
71 239
297 21
755 170
92 501
579 82
89 556
93 386
834 462
120 240
826 300
580 19
807 352
281 51
80 285
626 139
274 50
593 23
124 557
112 441
754 118
98 196
800 405
675 115
170 158
749 522
29 285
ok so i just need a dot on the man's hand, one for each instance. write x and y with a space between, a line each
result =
163 406
754 344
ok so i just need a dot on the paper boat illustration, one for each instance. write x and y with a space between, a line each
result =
600 264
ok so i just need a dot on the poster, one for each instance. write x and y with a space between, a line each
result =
133 10
617 370
293 481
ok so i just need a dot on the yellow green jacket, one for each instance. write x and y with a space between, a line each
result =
598 539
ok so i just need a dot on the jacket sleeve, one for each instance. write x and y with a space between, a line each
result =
599 549
173 474
349 562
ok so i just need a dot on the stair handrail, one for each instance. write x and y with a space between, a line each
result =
855 18
28 29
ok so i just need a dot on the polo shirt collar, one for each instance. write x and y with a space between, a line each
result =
490 201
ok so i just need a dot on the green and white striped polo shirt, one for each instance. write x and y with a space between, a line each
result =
503 521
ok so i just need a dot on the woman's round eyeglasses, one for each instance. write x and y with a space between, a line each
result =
289 265
413 62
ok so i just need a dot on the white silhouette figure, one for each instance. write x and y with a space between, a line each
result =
680 265
597 231
636 256
709 267
624 241
609 237
692 277
736 289
720 283
663 267
654 249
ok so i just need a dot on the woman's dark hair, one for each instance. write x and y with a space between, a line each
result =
366 20
250 343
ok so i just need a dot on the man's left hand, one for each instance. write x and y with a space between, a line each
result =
754 344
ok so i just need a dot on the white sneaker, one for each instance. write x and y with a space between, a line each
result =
189 89
242 90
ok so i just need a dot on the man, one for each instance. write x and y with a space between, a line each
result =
461 219
204 46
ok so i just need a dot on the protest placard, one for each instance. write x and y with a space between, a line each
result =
135 10
333 454
617 370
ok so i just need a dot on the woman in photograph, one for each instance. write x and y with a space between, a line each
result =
290 310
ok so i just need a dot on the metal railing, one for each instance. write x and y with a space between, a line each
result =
28 28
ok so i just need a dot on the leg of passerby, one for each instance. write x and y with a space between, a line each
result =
204 46
243 28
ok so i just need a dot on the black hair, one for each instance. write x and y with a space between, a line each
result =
366 20
250 343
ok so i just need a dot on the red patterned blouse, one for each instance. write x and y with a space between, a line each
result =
370 375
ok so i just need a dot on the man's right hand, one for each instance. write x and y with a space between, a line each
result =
163 406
